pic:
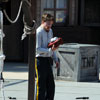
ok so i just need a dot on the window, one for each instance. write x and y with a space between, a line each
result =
58 8
90 12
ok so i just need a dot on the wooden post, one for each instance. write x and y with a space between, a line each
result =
30 15
31 59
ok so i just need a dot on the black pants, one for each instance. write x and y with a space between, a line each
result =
45 80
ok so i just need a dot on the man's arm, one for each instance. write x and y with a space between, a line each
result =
55 58
39 48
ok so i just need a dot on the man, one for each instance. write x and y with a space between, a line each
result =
45 80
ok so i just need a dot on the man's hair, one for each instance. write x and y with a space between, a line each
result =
47 17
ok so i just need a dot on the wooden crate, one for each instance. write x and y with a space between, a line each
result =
79 62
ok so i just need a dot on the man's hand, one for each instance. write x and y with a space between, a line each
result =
54 48
57 64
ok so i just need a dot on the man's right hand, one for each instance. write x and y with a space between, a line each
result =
54 48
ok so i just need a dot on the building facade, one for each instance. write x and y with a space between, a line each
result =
76 21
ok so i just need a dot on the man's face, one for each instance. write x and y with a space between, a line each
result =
47 25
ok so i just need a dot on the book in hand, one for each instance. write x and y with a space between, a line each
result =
56 42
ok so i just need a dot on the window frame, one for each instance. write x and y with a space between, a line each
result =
55 10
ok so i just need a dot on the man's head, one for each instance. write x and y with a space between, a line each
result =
47 21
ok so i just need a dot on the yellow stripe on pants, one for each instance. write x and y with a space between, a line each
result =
37 81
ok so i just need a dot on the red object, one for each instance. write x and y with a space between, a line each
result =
56 43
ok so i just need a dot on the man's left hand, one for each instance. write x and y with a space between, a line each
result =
57 64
